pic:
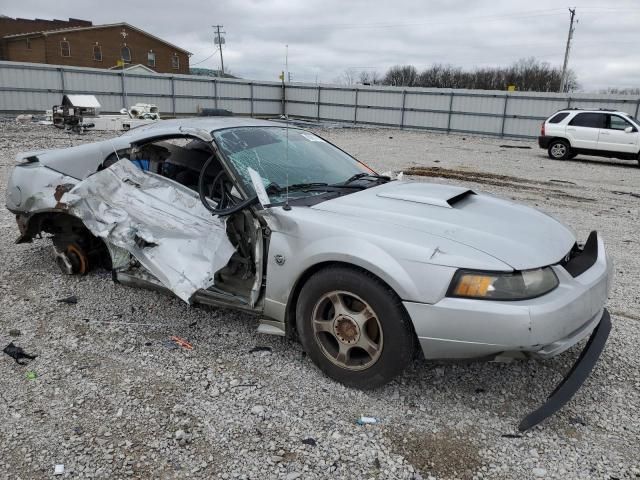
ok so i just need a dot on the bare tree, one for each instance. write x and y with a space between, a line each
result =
401 76
369 78
527 74
348 77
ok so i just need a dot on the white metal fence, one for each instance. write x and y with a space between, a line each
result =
29 87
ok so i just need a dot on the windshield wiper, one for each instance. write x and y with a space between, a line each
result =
364 175
275 188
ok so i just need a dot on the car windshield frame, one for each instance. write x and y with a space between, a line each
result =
279 193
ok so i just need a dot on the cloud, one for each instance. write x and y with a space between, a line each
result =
326 37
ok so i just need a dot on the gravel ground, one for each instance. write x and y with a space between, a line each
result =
111 400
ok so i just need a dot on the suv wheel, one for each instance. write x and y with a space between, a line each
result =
559 150
354 328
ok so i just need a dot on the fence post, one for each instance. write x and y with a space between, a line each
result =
637 108
504 114
251 90
355 107
124 91
450 110
569 102
62 86
318 111
404 98
215 93
173 96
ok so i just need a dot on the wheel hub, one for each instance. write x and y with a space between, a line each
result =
346 330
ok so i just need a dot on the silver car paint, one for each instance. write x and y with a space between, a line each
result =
123 205
409 236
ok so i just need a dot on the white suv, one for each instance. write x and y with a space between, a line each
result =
605 133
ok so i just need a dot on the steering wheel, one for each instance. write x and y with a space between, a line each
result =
220 190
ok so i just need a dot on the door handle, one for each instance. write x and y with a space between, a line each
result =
571 129
604 133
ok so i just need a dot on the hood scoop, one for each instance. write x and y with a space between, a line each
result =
446 196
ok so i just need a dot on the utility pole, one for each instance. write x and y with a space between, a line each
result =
219 40
286 63
563 79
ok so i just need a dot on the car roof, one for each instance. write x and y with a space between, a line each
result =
210 124
583 110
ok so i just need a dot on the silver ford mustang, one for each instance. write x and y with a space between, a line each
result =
363 268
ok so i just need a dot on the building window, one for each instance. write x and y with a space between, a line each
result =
175 61
28 44
125 54
65 49
151 58
97 53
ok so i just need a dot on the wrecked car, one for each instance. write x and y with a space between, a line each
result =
364 269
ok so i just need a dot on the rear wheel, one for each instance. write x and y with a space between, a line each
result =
354 327
559 150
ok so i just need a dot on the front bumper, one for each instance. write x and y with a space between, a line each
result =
546 326
576 376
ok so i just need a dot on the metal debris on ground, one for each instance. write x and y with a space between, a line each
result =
14 332
17 353
181 342
58 470
367 420
72 300
310 441
260 349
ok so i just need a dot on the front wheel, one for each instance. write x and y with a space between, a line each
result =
354 327
559 150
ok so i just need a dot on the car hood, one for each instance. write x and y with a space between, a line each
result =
519 236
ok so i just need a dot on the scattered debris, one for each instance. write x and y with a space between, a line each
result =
511 435
72 300
524 147
58 470
260 349
17 353
24 118
14 332
310 441
31 375
480 390
181 342
170 345
367 420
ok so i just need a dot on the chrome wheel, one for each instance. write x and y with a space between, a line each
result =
347 330
558 150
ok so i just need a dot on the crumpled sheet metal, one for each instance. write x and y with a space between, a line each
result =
160 222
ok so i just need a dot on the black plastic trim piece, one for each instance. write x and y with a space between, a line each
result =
583 260
572 382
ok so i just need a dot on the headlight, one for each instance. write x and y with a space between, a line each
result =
503 286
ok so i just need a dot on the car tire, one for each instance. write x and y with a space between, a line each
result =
559 150
340 311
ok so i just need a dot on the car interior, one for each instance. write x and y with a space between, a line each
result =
181 159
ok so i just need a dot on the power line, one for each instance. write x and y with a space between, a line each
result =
202 61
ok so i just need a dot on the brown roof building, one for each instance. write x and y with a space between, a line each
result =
79 43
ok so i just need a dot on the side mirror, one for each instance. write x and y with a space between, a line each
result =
628 130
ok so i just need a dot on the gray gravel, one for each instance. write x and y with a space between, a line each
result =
112 400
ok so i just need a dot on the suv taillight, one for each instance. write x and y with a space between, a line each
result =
542 130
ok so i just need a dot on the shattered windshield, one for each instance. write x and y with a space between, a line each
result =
286 157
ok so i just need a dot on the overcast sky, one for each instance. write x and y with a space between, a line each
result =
326 37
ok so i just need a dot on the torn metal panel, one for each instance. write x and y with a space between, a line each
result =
160 222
